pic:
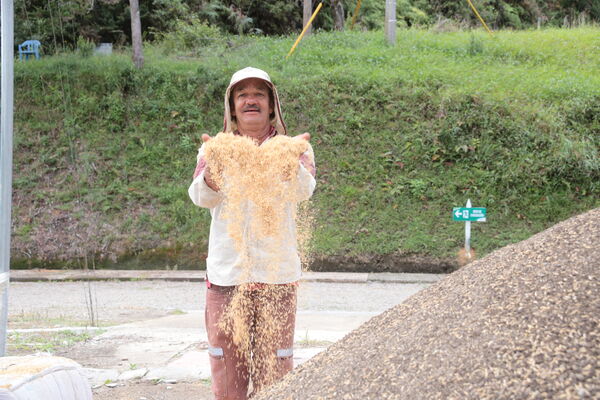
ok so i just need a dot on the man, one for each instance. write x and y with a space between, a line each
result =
252 109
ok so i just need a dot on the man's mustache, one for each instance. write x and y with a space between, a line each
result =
251 108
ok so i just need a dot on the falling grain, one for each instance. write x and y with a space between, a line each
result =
261 195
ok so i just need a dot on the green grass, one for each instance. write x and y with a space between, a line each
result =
308 342
42 319
540 65
30 342
402 134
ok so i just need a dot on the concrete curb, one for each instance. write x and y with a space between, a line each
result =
47 275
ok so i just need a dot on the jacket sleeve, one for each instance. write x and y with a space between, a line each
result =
306 174
200 193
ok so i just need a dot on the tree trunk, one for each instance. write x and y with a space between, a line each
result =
534 9
306 13
136 34
338 15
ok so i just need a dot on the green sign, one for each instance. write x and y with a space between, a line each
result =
476 214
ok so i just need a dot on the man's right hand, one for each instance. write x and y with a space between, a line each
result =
207 175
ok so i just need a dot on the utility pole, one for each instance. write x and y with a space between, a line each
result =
136 34
6 148
390 21
306 13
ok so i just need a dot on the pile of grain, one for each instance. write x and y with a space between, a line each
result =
521 323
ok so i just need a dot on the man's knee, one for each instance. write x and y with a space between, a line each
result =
229 376
285 360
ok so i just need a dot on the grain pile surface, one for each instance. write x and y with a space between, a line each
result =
521 323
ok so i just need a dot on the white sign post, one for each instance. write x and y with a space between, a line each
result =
466 215
468 233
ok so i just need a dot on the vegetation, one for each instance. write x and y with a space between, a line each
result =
104 152
59 24
20 343
43 319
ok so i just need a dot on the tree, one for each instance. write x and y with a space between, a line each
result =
338 14
136 34
306 13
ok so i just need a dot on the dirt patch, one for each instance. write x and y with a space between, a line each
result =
76 235
25 343
97 354
193 259
395 262
150 391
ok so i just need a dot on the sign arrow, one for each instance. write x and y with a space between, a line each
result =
465 214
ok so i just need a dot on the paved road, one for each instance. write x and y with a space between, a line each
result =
65 303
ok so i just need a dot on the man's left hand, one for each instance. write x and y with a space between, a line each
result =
304 136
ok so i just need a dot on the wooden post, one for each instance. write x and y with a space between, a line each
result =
307 12
390 21
356 10
136 34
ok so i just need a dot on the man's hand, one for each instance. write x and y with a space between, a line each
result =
207 175
304 159
304 136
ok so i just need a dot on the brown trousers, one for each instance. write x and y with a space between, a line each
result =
250 336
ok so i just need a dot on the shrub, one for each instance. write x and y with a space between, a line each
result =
475 46
191 35
85 47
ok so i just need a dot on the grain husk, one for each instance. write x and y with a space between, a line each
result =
520 323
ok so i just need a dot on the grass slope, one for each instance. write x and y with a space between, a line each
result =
104 153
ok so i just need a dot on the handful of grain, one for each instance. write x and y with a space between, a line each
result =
259 183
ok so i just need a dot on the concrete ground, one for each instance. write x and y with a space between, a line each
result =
152 342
